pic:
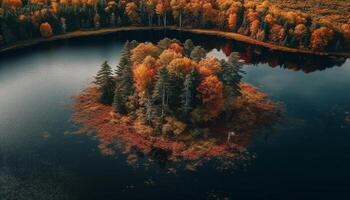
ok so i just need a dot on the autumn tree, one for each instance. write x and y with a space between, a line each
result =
143 50
178 7
162 8
150 10
46 30
210 91
131 10
320 38
104 79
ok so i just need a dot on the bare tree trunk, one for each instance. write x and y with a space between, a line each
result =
165 19
180 19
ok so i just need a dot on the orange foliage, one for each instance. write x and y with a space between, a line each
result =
42 2
254 27
320 38
252 16
180 66
12 3
277 33
346 31
232 21
46 30
143 76
209 66
210 92
167 56
160 9
142 51
300 30
131 10
176 47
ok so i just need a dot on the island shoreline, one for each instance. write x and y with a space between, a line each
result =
208 32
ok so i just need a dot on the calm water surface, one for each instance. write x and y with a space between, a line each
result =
305 156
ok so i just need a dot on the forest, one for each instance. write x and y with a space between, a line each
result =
266 21
172 96
170 86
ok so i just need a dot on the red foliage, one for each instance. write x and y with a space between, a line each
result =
115 131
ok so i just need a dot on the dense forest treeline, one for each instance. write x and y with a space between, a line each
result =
264 21
171 86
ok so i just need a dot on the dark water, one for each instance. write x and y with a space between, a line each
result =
305 156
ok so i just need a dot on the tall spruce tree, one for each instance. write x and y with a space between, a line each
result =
189 92
231 73
105 80
124 84
162 90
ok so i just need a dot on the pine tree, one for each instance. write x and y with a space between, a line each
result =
231 73
124 84
189 92
162 89
105 80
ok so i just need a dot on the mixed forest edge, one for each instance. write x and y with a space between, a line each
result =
261 23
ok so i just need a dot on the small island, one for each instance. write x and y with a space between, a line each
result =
172 98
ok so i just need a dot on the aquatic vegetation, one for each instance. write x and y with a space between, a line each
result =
181 113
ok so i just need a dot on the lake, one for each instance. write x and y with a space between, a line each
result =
304 156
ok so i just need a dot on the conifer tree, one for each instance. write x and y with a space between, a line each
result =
105 80
162 89
124 84
189 92
231 73
188 47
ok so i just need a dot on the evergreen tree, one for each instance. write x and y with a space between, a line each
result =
188 47
231 73
162 89
189 92
105 80
198 53
124 84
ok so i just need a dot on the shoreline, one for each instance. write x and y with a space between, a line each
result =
217 33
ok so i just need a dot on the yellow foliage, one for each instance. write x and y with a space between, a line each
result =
167 56
210 63
300 30
142 51
179 67
173 126
269 19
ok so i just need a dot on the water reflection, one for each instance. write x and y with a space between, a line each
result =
251 54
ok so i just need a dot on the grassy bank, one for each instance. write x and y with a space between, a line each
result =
229 35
